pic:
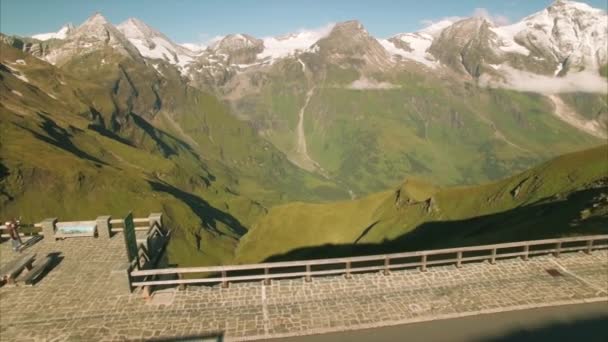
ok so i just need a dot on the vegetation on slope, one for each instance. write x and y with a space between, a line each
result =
426 125
565 196
105 134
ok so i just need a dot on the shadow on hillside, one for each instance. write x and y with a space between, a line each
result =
207 213
588 330
59 137
540 220
3 171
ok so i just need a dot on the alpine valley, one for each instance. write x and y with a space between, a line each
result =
316 143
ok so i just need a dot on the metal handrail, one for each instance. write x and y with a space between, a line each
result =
387 258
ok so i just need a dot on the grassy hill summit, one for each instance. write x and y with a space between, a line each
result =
565 196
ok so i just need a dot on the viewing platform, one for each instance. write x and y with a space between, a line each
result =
88 295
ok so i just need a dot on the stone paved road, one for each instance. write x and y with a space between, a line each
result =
84 298
578 322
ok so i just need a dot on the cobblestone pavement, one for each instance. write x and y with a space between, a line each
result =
85 297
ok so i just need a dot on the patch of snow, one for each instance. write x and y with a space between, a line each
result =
495 66
418 42
506 36
303 65
559 68
279 47
52 96
61 34
16 93
152 44
434 29
156 68
194 47
20 62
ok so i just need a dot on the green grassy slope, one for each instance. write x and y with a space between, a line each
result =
567 195
105 134
433 126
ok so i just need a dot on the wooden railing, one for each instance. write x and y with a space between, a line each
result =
346 266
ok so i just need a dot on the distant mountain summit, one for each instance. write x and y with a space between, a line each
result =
61 34
96 33
153 44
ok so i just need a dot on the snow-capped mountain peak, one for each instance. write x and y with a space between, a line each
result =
566 32
153 44
289 44
61 34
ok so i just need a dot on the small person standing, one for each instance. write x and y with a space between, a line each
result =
13 231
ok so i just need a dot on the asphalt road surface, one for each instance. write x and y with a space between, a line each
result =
577 322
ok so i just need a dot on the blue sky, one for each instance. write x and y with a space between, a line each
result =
199 21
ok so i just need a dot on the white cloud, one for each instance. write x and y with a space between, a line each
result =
586 81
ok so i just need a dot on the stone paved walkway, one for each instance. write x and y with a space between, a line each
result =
84 298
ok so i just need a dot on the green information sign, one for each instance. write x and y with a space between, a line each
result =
130 238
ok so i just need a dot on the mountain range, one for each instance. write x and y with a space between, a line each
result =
108 117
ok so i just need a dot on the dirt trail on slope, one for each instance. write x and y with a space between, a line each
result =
566 114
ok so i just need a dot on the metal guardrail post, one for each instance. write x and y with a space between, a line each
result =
423 261
589 246
181 287
458 259
558 247
527 253
387 262
493 259
266 280
225 283
307 278
347 275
